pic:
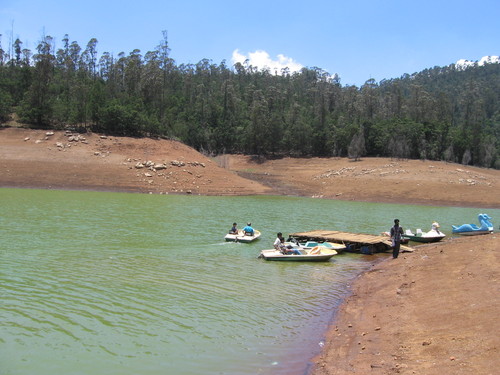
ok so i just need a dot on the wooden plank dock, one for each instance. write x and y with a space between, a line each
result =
368 243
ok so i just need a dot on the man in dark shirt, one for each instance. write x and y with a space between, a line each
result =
396 233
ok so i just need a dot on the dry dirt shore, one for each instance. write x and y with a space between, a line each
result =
31 158
433 311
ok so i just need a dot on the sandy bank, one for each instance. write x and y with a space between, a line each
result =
31 158
430 312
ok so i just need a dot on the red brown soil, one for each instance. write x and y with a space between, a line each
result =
30 158
377 180
33 159
433 311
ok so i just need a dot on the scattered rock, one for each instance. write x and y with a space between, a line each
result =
177 163
159 166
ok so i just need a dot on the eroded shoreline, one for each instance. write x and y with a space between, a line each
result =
430 311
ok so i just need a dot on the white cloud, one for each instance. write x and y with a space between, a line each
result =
261 60
463 64
489 60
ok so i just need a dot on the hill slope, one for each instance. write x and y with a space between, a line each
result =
31 158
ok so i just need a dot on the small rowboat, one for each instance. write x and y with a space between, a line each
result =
316 254
241 237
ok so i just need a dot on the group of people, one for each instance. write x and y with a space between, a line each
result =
247 231
279 243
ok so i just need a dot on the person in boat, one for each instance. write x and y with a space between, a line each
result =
248 230
234 229
396 233
279 245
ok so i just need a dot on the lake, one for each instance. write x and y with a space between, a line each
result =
117 283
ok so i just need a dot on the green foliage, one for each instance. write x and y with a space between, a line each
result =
5 105
443 113
118 119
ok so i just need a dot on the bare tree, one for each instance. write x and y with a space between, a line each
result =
357 146
466 158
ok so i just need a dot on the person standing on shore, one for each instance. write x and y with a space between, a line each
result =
396 233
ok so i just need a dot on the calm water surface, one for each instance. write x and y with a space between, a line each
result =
114 283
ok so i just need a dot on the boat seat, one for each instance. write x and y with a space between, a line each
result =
408 232
419 232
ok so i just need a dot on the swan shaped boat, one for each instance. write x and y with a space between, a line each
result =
485 227
434 235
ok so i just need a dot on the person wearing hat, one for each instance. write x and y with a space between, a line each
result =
396 233
248 230
234 229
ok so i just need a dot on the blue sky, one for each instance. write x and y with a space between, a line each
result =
357 39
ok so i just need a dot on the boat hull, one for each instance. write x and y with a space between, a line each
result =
240 237
423 239
473 233
274 255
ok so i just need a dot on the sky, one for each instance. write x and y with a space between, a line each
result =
356 39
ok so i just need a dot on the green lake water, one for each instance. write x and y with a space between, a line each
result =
115 283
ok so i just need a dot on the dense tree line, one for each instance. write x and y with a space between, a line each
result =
444 113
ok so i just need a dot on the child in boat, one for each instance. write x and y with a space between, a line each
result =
234 229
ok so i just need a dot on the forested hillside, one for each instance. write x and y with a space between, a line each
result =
444 113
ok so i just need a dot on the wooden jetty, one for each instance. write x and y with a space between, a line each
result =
357 242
